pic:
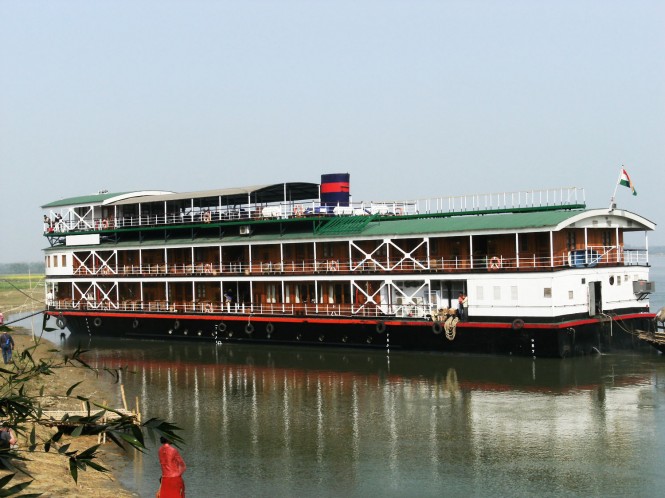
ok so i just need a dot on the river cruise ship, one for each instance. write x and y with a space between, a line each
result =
530 273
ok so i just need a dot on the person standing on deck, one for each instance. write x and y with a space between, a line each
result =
173 466
462 304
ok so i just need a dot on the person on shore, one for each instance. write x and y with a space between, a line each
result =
7 437
7 344
173 466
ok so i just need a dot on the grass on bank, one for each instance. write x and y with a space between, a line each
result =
21 293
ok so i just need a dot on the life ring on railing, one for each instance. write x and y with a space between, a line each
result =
207 216
436 327
333 266
270 328
105 224
221 327
61 322
176 324
135 324
380 327
249 328
207 308
495 263
207 268
298 210
97 322
518 324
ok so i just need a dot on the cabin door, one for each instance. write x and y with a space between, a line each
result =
595 298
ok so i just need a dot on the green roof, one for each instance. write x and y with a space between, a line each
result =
489 222
83 200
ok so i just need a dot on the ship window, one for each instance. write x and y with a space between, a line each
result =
48 261
287 293
570 295
523 243
513 292
547 292
497 292
607 237
271 293
479 293
571 240
612 280
64 260
618 279
327 250
55 261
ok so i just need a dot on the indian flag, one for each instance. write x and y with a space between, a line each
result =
626 181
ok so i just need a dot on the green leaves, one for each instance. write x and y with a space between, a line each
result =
22 392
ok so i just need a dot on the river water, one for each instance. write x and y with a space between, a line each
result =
274 421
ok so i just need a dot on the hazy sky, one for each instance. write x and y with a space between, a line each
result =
414 98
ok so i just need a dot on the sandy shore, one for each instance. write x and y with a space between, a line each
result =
51 471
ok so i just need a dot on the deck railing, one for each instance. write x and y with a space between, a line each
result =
592 256
557 197
372 310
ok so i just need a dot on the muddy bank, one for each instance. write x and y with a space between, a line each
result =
51 471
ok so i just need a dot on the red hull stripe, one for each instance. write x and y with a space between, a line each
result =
327 188
352 321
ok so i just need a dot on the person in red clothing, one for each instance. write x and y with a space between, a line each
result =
173 466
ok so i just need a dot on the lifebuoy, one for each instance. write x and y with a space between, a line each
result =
249 328
270 328
97 322
334 266
518 324
298 210
208 308
61 322
176 325
207 268
207 216
221 327
436 327
105 224
495 263
135 324
380 327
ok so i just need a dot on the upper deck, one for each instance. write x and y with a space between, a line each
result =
143 210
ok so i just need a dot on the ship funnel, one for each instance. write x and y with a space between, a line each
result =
335 189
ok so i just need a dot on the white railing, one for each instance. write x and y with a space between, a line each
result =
564 196
369 310
607 255
561 197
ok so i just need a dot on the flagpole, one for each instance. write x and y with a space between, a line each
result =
612 203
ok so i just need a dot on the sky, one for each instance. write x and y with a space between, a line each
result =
415 99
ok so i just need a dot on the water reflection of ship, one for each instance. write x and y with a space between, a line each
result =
465 372
265 416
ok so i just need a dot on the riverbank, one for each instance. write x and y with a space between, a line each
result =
50 470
